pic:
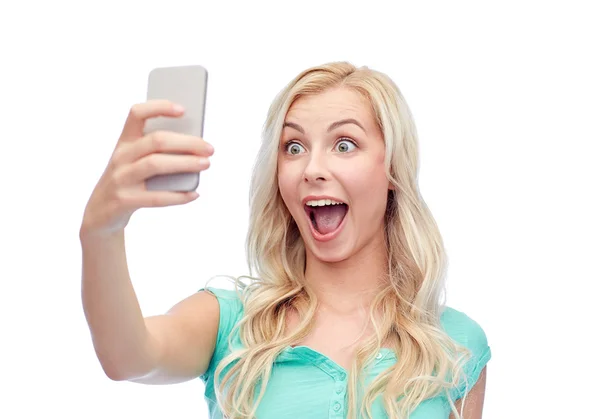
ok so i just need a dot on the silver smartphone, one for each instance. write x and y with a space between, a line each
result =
185 85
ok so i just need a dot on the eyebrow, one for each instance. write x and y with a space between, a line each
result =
333 126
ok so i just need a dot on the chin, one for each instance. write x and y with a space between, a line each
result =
330 257
329 252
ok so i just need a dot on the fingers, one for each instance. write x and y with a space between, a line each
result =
121 190
162 142
144 199
159 164
134 125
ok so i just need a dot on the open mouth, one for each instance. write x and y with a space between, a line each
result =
326 216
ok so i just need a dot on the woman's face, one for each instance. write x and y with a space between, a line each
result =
331 173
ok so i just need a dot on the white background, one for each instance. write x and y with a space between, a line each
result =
506 100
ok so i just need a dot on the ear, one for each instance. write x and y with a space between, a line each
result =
391 187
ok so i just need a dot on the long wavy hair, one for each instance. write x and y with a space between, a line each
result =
429 362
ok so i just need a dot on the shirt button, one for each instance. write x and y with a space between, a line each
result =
379 356
339 389
342 376
337 406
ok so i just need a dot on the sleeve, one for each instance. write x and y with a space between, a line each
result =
230 312
468 333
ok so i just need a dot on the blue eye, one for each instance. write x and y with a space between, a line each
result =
345 146
294 148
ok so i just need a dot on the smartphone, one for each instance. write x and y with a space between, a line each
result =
185 85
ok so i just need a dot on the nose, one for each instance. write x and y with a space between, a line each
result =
316 168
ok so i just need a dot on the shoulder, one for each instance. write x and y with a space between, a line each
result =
231 311
230 307
467 332
230 297
463 329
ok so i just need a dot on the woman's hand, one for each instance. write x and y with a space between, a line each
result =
121 190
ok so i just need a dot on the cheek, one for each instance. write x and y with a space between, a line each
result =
287 183
368 174
367 184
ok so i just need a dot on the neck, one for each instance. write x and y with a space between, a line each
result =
351 284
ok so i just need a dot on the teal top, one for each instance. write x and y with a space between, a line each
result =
307 384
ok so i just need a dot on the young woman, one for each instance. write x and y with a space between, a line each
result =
343 316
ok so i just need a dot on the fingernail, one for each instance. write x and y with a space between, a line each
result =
210 148
178 108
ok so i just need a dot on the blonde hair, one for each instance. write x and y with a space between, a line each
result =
409 300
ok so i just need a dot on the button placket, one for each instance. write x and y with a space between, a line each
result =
337 402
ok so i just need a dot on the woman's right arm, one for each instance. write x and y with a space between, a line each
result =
168 348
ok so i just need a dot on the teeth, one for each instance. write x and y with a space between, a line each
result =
322 203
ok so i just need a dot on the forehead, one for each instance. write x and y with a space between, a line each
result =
331 105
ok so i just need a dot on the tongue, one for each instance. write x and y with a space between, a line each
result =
329 217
